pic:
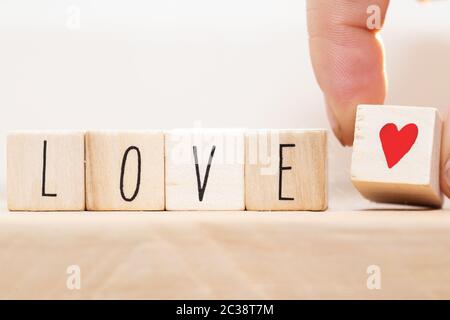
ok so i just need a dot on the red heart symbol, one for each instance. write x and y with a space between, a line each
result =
397 143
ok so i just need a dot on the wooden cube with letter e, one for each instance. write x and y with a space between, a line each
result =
286 170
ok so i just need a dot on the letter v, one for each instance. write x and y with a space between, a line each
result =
202 186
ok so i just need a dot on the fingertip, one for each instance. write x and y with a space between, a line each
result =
349 77
348 60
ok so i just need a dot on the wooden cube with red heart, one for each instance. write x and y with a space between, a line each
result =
396 154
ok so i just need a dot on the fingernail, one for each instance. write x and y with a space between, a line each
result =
338 133
333 123
447 173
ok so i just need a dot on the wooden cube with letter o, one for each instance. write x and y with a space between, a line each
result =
125 170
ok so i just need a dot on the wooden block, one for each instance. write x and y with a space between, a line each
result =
205 170
125 171
286 170
45 171
396 154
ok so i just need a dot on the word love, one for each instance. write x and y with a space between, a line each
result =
174 170
396 154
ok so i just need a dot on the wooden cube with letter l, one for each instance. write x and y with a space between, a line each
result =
396 154
125 170
45 171
286 170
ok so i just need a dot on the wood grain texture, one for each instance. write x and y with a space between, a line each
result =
63 154
220 150
125 171
301 183
226 255
415 178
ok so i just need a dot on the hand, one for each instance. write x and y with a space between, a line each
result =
348 61
347 58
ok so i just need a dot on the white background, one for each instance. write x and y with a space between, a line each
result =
171 63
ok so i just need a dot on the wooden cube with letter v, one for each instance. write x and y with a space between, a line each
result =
396 154
45 171
286 170
205 169
125 170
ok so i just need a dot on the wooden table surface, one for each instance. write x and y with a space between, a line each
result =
226 255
